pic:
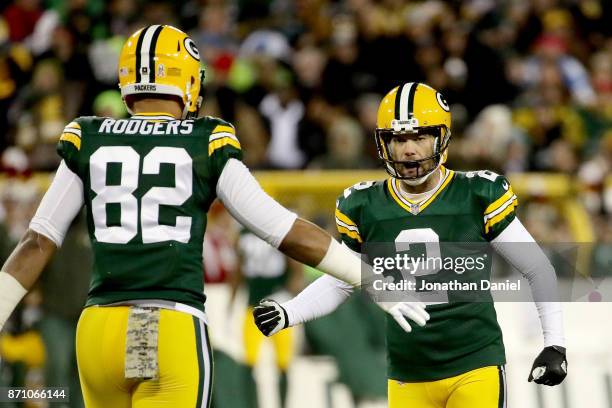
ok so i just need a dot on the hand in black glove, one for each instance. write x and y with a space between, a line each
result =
550 367
270 317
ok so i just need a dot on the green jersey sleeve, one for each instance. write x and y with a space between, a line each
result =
69 144
499 203
348 209
222 146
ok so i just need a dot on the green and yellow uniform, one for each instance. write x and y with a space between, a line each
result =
148 182
472 207
265 270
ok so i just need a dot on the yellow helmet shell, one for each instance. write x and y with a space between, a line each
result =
416 102
411 108
161 59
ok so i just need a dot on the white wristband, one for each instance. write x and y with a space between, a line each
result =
11 293
342 263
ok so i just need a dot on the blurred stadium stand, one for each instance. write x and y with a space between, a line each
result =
530 88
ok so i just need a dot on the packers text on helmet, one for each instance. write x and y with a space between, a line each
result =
161 60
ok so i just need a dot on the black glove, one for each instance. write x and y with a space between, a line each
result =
270 317
550 367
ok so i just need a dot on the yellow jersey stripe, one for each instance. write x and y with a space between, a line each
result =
221 135
396 186
406 200
72 138
223 128
501 208
217 144
394 189
499 217
500 201
76 132
73 125
449 177
344 218
395 196
351 234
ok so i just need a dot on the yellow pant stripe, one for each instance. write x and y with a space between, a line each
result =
204 364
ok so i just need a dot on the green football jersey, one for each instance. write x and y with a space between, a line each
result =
472 207
148 183
264 267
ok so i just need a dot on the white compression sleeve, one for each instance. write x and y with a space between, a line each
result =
61 203
343 263
318 299
11 293
251 206
516 245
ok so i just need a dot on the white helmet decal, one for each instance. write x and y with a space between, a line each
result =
191 48
442 102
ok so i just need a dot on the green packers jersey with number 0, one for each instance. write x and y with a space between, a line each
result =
148 183
472 207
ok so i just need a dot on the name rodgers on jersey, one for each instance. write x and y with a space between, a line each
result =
144 127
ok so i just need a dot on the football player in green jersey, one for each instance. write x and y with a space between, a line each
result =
146 183
458 359
265 273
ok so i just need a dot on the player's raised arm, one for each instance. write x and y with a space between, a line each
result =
48 228
298 239
281 228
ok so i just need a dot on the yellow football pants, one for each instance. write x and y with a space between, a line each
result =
481 388
283 343
184 361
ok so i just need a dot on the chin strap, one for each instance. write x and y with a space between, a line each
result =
421 180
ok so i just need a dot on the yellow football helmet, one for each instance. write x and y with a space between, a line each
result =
413 108
161 60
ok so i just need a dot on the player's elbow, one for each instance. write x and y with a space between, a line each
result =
32 240
305 242
30 257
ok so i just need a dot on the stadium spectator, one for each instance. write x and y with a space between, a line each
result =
345 147
21 17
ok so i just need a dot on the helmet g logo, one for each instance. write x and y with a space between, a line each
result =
191 48
442 102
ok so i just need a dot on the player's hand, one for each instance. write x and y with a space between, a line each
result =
414 311
550 367
270 317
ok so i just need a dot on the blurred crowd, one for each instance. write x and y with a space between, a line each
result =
529 83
